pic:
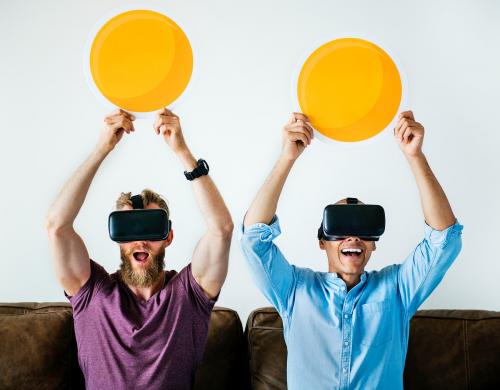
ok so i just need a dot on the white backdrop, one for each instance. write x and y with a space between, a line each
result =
246 55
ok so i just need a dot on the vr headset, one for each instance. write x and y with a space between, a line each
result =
353 219
139 224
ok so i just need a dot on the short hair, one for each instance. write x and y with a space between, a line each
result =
344 201
148 197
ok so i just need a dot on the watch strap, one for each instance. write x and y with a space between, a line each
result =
200 170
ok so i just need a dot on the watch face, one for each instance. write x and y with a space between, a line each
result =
200 170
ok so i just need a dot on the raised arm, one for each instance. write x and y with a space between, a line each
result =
297 135
271 272
70 256
427 264
211 256
437 210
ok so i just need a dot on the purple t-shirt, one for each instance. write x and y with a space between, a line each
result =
127 343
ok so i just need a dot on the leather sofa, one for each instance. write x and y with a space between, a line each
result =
453 349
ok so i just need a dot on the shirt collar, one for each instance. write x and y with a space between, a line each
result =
333 278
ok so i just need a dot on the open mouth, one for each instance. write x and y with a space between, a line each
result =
352 253
141 257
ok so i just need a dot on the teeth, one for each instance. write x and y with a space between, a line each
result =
351 250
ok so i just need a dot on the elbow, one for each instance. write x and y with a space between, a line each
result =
53 226
225 229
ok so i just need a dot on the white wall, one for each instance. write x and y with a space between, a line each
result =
246 55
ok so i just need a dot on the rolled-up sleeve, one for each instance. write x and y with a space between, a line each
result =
272 273
427 264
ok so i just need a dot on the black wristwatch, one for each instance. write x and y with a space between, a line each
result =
200 170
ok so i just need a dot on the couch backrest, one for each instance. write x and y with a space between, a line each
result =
38 349
448 349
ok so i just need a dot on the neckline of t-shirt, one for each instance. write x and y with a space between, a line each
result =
168 275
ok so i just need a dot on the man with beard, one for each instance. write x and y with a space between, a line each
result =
348 328
141 327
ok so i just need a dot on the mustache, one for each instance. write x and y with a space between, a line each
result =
139 248
145 277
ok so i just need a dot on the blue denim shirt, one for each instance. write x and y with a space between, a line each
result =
339 339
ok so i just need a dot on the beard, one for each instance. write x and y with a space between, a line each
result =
145 276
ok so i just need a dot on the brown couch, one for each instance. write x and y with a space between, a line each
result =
452 349
38 349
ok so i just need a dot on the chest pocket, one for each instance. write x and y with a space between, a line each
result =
374 325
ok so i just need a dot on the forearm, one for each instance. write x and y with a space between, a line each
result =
264 206
65 208
209 199
436 208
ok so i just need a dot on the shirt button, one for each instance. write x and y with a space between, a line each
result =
346 315
344 370
346 343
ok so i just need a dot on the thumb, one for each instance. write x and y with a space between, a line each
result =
291 120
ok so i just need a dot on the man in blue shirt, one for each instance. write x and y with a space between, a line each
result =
348 328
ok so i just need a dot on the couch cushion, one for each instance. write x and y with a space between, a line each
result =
455 349
266 349
224 364
38 349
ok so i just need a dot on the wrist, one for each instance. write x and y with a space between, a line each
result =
187 159
284 159
415 157
285 164
101 152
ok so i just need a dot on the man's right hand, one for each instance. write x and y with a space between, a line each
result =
115 124
297 135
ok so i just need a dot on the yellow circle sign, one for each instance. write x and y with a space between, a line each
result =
141 60
350 89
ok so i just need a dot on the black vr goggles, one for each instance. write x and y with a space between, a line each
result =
353 219
139 224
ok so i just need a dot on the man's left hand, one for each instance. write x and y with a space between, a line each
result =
409 134
168 125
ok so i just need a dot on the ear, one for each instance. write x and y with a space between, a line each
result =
374 246
169 238
321 245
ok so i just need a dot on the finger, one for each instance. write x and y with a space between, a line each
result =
120 112
299 137
300 125
159 122
398 126
165 127
165 111
397 130
171 121
406 134
128 115
299 130
305 126
121 115
310 128
156 126
125 124
299 115
406 114
402 130
403 123
168 119
410 122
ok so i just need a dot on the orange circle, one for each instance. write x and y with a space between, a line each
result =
350 89
141 60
